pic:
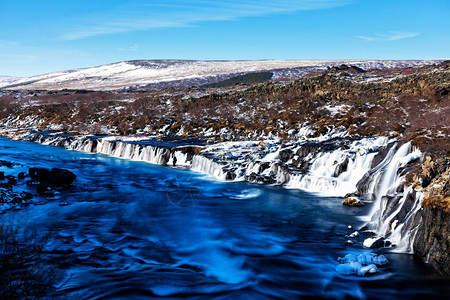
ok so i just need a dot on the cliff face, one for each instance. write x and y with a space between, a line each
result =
432 242
433 237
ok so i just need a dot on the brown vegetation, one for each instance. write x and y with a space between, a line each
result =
414 106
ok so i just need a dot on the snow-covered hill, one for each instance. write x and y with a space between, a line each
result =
7 80
185 73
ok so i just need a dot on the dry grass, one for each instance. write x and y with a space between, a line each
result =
438 202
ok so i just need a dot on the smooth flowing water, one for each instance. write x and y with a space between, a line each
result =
135 230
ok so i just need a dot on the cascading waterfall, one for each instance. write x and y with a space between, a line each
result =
208 166
394 215
122 149
323 176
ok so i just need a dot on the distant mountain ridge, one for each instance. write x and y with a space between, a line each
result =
181 73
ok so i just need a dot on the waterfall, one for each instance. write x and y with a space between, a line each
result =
336 173
394 215
328 168
208 166
389 179
130 150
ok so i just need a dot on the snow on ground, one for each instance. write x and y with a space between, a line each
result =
141 73
7 80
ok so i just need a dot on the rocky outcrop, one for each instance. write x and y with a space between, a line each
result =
54 177
433 237
353 201
432 243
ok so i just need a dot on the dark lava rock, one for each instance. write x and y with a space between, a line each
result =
230 176
353 201
55 177
44 188
11 180
4 163
21 175
61 177
285 155
39 174
341 168
379 243
2 175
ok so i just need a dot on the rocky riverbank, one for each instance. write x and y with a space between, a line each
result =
20 185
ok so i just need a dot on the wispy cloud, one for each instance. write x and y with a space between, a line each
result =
145 15
389 36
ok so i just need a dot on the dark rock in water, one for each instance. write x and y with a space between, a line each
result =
379 243
230 176
21 175
44 188
285 155
364 228
2 175
61 177
55 177
39 174
21 198
341 168
11 180
251 177
4 163
266 180
353 201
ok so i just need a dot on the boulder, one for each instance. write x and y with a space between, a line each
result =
55 177
374 243
353 201
39 174
44 188
61 177
285 155
341 168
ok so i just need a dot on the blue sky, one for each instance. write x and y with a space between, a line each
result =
39 36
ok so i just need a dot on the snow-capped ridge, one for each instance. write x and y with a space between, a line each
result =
182 73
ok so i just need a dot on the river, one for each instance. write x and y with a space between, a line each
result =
131 230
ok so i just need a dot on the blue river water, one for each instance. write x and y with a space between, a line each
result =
132 230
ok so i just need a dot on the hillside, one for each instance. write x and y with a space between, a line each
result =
179 73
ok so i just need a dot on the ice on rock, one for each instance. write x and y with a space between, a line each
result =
371 269
364 259
349 269
347 259
365 263
369 242
356 268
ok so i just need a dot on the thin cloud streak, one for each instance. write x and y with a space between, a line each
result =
176 13
390 36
